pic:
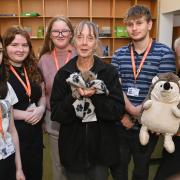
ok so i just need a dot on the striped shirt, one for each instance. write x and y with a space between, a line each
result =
160 59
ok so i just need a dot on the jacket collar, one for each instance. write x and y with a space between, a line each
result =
71 65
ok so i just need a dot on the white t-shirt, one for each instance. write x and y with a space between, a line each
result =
6 144
6 104
11 96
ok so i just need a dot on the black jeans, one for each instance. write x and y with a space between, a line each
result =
170 163
7 168
97 172
129 145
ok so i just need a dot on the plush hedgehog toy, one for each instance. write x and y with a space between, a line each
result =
160 110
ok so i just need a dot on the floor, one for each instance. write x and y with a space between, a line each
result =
47 174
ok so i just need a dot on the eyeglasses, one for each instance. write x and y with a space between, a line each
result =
56 33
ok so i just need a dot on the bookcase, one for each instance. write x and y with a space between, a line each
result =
107 14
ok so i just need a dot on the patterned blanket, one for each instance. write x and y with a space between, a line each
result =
83 106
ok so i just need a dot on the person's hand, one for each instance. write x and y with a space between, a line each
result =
87 92
137 110
20 175
126 122
36 114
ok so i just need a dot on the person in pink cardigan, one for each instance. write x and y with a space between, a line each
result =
57 50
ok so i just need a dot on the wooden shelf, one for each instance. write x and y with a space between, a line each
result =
107 14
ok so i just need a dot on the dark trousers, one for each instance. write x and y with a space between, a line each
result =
32 160
170 163
129 145
7 168
93 173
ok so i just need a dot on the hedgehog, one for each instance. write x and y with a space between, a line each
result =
161 112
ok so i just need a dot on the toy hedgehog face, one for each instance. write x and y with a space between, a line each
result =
165 91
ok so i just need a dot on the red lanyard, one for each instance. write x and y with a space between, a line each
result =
1 128
56 59
136 73
26 86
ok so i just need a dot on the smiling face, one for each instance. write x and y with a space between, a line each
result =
138 29
18 50
60 34
85 41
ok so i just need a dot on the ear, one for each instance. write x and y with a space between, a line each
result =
155 79
150 25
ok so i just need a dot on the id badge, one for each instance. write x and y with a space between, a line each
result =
132 91
32 105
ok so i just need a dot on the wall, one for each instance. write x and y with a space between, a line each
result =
169 5
168 17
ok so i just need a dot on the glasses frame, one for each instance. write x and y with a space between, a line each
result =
60 32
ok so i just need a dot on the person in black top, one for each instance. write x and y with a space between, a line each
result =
28 111
10 159
88 111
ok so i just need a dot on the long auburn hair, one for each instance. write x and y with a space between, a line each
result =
3 76
30 62
48 45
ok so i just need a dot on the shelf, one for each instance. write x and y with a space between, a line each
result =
9 17
107 14
121 7
37 38
9 7
31 6
74 17
55 7
101 37
78 8
102 8
7 22
31 17
106 57
151 4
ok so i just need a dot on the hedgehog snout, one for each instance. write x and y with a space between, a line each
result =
167 86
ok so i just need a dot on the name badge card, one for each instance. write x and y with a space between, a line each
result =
132 91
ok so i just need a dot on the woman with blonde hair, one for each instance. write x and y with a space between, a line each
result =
57 50
87 110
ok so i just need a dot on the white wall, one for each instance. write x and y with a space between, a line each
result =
169 5
166 28
168 18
